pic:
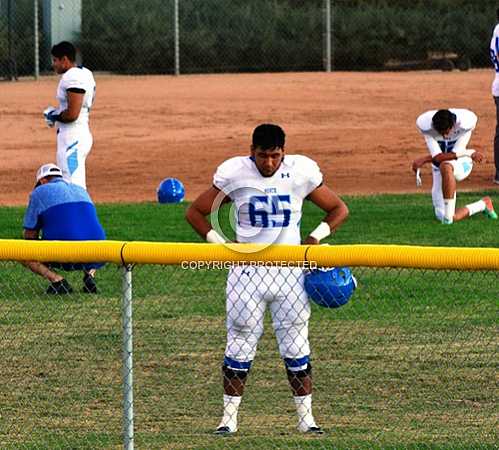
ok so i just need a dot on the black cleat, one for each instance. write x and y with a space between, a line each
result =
89 286
59 288
315 430
224 431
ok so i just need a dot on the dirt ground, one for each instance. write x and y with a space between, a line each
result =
359 127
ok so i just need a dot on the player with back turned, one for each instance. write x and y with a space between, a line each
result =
75 94
267 189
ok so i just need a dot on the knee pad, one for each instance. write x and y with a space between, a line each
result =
300 373
231 374
235 369
299 367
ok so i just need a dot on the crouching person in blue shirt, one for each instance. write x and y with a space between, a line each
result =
64 212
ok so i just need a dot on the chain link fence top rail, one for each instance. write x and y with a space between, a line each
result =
410 362
202 36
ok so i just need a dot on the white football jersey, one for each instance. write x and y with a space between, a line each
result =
268 209
459 136
81 78
494 51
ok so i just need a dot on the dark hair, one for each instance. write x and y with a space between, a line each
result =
64 48
443 120
268 137
48 178
497 13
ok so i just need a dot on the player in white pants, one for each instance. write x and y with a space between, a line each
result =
267 189
249 291
75 94
447 134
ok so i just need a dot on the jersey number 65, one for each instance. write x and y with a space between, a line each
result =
263 206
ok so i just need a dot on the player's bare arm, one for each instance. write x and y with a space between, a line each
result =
442 157
36 266
75 102
202 207
336 209
420 162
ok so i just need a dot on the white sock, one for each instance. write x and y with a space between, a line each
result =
449 209
476 207
231 407
304 410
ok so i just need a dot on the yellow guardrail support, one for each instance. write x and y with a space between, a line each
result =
461 258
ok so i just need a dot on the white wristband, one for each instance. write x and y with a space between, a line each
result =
214 238
465 152
321 232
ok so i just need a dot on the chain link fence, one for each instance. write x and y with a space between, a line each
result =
410 362
203 36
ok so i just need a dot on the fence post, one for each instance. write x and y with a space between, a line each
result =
327 36
37 42
176 37
127 358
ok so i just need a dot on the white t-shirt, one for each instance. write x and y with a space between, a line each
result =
268 209
494 50
80 78
458 137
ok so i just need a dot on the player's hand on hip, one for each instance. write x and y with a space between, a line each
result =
310 241
50 116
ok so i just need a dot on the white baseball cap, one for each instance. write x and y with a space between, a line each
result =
47 170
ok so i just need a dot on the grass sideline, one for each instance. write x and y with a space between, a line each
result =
378 219
408 363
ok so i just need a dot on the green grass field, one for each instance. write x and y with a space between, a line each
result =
411 362
380 219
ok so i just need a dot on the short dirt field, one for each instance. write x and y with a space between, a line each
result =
359 127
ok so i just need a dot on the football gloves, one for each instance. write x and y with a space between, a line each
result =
51 116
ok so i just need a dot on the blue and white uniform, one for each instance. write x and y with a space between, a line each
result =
63 211
267 210
494 51
74 139
457 140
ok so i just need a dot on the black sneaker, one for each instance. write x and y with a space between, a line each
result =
224 431
89 286
59 288
315 430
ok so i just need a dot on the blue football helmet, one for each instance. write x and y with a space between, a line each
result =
170 190
330 288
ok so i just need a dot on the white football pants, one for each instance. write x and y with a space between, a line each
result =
249 290
462 168
73 147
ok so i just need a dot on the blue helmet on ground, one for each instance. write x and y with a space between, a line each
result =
170 190
330 288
